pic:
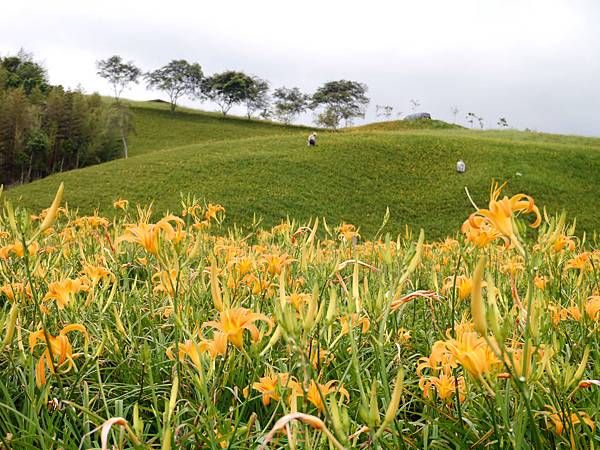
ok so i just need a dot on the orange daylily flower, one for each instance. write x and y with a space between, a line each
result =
317 392
445 385
270 386
234 321
563 242
91 221
439 358
212 210
478 231
61 349
18 250
97 273
63 292
462 284
148 234
347 231
354 320
559 420
592 307
11 290
540 282
167 282
580 262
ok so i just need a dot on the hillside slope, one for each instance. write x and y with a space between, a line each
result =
351 176
156 128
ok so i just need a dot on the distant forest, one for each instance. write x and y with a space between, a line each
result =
46 129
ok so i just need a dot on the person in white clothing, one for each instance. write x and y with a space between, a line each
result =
312 140
460 166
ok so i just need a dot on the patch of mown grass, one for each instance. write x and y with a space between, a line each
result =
350 177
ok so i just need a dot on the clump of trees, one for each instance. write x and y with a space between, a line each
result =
339 100
46 129
333 102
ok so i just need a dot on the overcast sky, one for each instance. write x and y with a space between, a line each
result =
535 62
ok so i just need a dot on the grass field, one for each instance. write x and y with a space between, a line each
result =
197 330
253 167
182 333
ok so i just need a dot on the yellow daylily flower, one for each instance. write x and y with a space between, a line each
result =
472 352
121 204
498 217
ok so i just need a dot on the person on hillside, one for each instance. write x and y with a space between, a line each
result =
461 166
312 140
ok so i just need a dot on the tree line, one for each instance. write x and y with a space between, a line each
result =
332 103
46 129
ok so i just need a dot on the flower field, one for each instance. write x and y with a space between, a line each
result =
188 332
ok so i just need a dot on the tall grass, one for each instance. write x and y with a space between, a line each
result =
184 333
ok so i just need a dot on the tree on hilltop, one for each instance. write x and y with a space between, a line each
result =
289 103
118 73
502 122
340 100
258 99
177 78
228 88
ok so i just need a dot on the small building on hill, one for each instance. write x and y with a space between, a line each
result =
420 115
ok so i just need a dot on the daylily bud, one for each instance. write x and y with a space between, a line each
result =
138 423
11 218
582 365
51 215
332 308
355 288
118 322
309 320
373 406
392 408
477 306
214 286
11 323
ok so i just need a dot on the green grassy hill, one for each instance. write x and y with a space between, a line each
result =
157 129
266 169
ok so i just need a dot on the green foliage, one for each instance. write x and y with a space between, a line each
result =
177 78
21 71
118 73
40 134
341 100
258 100
229 88
289 103
264 169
